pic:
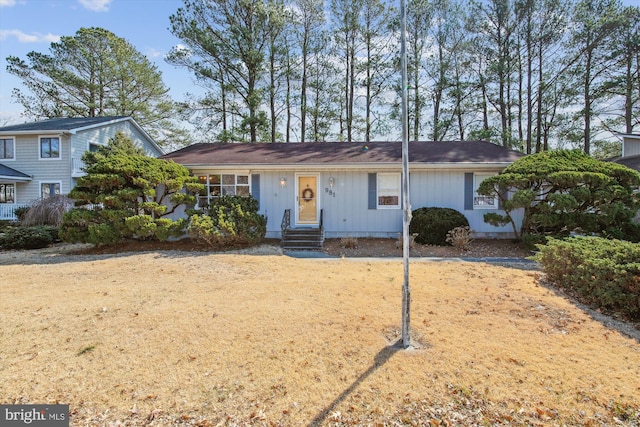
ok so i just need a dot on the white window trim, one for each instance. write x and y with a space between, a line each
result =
48 182
477 179
40 147
378 205
10 159
208 196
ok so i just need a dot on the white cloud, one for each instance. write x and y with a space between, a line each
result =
7 3
154 53
95 5
28 38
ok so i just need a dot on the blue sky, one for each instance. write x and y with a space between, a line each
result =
31 25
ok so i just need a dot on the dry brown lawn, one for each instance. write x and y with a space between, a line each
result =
180 338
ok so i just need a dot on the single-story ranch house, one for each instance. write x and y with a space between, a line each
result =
350 189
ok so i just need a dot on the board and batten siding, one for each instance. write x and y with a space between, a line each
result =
27 160
347 206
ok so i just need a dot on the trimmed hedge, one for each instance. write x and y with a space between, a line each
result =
599 272
433 224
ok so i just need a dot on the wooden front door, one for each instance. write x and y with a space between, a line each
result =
307 200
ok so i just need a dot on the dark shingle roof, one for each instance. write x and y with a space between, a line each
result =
7 172
59 124
632 162
342 153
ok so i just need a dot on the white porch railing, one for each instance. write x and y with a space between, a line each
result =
7 210
76 167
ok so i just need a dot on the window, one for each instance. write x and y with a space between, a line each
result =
50 148
7 193
6 148
217 185
388 190
93 148
479 201
48 189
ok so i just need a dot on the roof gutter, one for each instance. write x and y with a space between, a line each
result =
336 166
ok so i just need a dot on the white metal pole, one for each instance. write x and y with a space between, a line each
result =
406 217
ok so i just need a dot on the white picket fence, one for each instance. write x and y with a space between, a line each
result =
7 210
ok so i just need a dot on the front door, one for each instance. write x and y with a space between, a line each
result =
307 200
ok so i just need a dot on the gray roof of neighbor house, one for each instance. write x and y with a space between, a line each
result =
9 173
326 154
632 162
72 125
60 124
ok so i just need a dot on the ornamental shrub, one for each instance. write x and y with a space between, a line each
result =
230 220
28 237
559 192
599 272
432 224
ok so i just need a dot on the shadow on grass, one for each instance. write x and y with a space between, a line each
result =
381 358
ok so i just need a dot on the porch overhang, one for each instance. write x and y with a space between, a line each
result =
13 175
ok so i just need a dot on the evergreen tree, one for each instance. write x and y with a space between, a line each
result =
95 73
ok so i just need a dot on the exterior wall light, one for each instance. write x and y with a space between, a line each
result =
283 181
332 182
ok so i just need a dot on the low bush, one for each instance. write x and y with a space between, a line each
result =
629 231
432 224
460 238
28 237
349 242
230 221
93 226
599 272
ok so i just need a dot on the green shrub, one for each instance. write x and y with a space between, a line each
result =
629 231
166 228
531 241
600 272
144 227
432 224
103 234
82 226
231 220
202 229
28 237
21 212
238 217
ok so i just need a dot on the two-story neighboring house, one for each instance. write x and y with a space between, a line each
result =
39 159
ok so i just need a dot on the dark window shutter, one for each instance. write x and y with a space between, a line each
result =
373 191
255 187
468 191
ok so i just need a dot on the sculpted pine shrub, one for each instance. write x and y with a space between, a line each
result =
600 272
